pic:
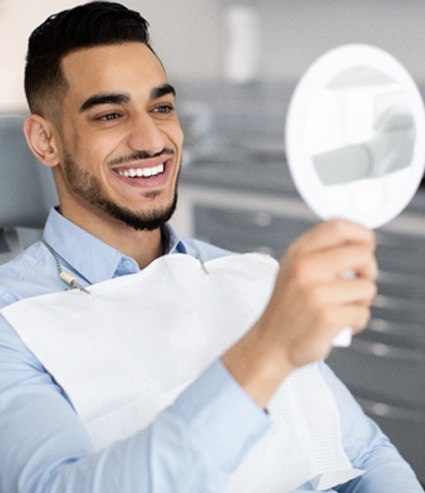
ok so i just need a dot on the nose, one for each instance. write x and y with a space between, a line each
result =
147 134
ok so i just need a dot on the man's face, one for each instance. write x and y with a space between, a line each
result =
120 139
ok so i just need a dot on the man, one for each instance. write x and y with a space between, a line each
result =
103 118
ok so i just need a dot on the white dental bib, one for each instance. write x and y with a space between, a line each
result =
124 352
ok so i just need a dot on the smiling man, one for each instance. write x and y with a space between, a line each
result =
115 145
172 375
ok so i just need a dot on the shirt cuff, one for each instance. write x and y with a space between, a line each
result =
222 417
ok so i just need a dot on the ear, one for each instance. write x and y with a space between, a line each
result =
40 138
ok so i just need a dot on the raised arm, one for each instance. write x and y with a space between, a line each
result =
312 301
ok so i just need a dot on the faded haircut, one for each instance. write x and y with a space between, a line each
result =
84 26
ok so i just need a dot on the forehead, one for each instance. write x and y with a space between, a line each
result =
120 67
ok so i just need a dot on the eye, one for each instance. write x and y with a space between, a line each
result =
164 108
108 117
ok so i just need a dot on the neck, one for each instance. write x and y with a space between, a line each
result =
142 246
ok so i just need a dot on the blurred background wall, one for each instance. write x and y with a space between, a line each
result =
235 64
192 36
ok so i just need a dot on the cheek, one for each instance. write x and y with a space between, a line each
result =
72 146
88 146
177 136
92 153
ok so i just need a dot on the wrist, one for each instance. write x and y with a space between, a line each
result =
257 365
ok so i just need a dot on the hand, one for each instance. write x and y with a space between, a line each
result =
311 302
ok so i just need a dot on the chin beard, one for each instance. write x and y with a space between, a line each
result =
148 221
87 187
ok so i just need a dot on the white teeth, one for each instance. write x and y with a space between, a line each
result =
142 172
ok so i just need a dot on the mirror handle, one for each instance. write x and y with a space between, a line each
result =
343 339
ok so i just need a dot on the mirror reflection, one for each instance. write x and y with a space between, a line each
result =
355 135
360 134
355 138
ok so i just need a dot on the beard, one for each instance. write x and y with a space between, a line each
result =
88 187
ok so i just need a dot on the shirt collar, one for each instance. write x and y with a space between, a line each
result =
90 257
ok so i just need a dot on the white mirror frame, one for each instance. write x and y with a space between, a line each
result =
301 166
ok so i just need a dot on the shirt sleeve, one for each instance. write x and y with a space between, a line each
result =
368 448
194 444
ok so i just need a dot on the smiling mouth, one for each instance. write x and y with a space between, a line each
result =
137 172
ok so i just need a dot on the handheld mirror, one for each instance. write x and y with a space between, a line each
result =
355 138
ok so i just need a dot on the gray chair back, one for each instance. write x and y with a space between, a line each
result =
27 190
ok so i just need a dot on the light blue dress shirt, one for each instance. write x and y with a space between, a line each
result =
193 446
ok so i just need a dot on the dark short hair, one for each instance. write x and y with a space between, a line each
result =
84 26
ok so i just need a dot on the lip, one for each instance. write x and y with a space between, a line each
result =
150 182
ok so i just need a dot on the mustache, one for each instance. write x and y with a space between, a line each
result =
139 155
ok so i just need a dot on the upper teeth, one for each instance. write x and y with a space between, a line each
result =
142 172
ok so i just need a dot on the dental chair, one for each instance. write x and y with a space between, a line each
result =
27 190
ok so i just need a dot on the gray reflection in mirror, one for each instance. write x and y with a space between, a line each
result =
390 145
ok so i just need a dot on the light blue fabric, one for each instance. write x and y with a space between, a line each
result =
193 446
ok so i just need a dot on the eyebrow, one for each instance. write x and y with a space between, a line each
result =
158 92
105 98
122 98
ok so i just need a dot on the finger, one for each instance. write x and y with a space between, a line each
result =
333 233
362 317
332 264
342 292
358 260
333 320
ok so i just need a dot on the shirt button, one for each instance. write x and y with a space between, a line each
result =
128 264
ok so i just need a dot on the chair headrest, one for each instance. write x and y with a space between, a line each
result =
27 190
